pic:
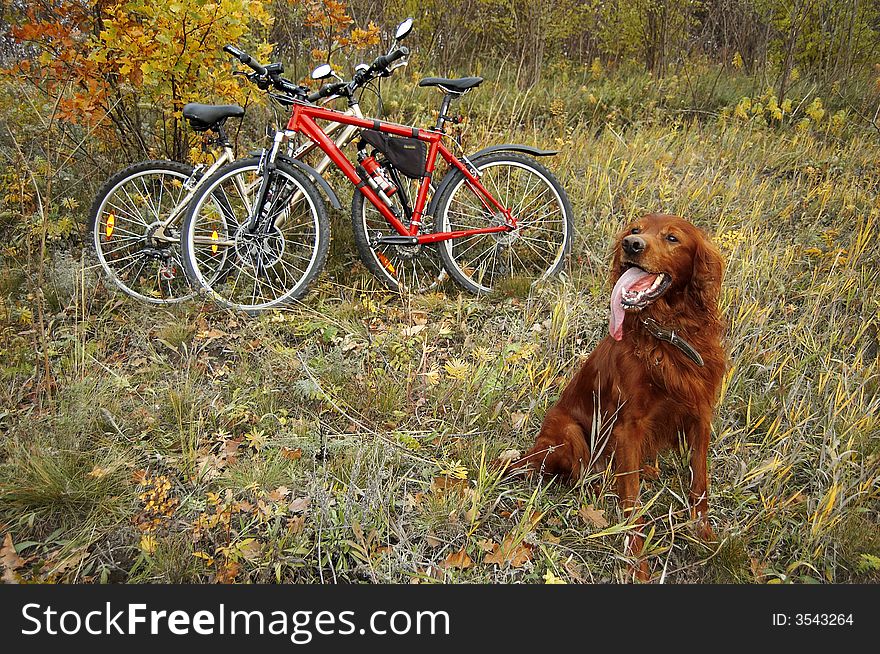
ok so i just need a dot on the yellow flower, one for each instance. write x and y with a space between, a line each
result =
148 543
457 369
432 377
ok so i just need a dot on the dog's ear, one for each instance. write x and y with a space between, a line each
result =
616 257
707 274
614 271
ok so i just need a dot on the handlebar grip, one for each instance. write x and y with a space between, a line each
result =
326 90
245 58
385 60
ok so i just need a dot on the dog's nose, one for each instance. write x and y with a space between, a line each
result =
633 244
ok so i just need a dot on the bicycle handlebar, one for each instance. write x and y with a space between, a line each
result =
271 74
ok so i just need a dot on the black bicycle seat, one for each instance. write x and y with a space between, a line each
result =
459 85
206 116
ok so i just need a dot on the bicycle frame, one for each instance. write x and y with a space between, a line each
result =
303 120
227 155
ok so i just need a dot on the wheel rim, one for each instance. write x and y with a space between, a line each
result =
533 251
140 257
253 271
414 269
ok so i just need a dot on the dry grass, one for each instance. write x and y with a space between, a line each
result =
332 442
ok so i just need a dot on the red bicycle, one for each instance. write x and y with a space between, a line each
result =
257 234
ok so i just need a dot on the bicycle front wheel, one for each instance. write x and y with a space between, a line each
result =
265 268
134 222
533 251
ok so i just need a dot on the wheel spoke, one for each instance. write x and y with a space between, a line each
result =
532 250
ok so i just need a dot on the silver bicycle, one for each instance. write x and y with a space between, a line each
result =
136 216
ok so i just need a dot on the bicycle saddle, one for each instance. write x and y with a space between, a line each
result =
453 85
206 116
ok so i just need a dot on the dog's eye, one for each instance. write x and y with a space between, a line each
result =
671 238
635 230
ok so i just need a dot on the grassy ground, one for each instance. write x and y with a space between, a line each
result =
347 439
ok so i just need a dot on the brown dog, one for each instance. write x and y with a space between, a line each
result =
655 378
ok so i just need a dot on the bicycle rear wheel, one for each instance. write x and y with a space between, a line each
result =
534 251
138 253
401 268
270 267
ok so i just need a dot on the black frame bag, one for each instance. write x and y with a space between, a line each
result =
407 155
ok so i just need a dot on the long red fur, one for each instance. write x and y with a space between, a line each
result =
639 396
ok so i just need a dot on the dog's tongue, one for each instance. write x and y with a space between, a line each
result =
628 280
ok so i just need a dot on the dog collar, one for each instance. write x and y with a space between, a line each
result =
670 336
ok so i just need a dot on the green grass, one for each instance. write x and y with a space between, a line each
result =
326 443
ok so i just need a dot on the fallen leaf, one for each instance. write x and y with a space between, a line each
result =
292 455
210 466
250 548
230 449
209 560
432 541
459 560
243 506
509 456
518 420
420 317
299 505
148 543
573 569
510 553
70 562
227 573
592 516
444 483
9 560
551 578
487 545
279 494
412 331
296 524
98 472
210 334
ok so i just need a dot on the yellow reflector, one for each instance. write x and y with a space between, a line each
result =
108 230
214 237
386 263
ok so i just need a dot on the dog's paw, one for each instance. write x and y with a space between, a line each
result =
639 572
705 531
650 472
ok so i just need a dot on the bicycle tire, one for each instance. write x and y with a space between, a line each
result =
555 251
101 233
213 283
